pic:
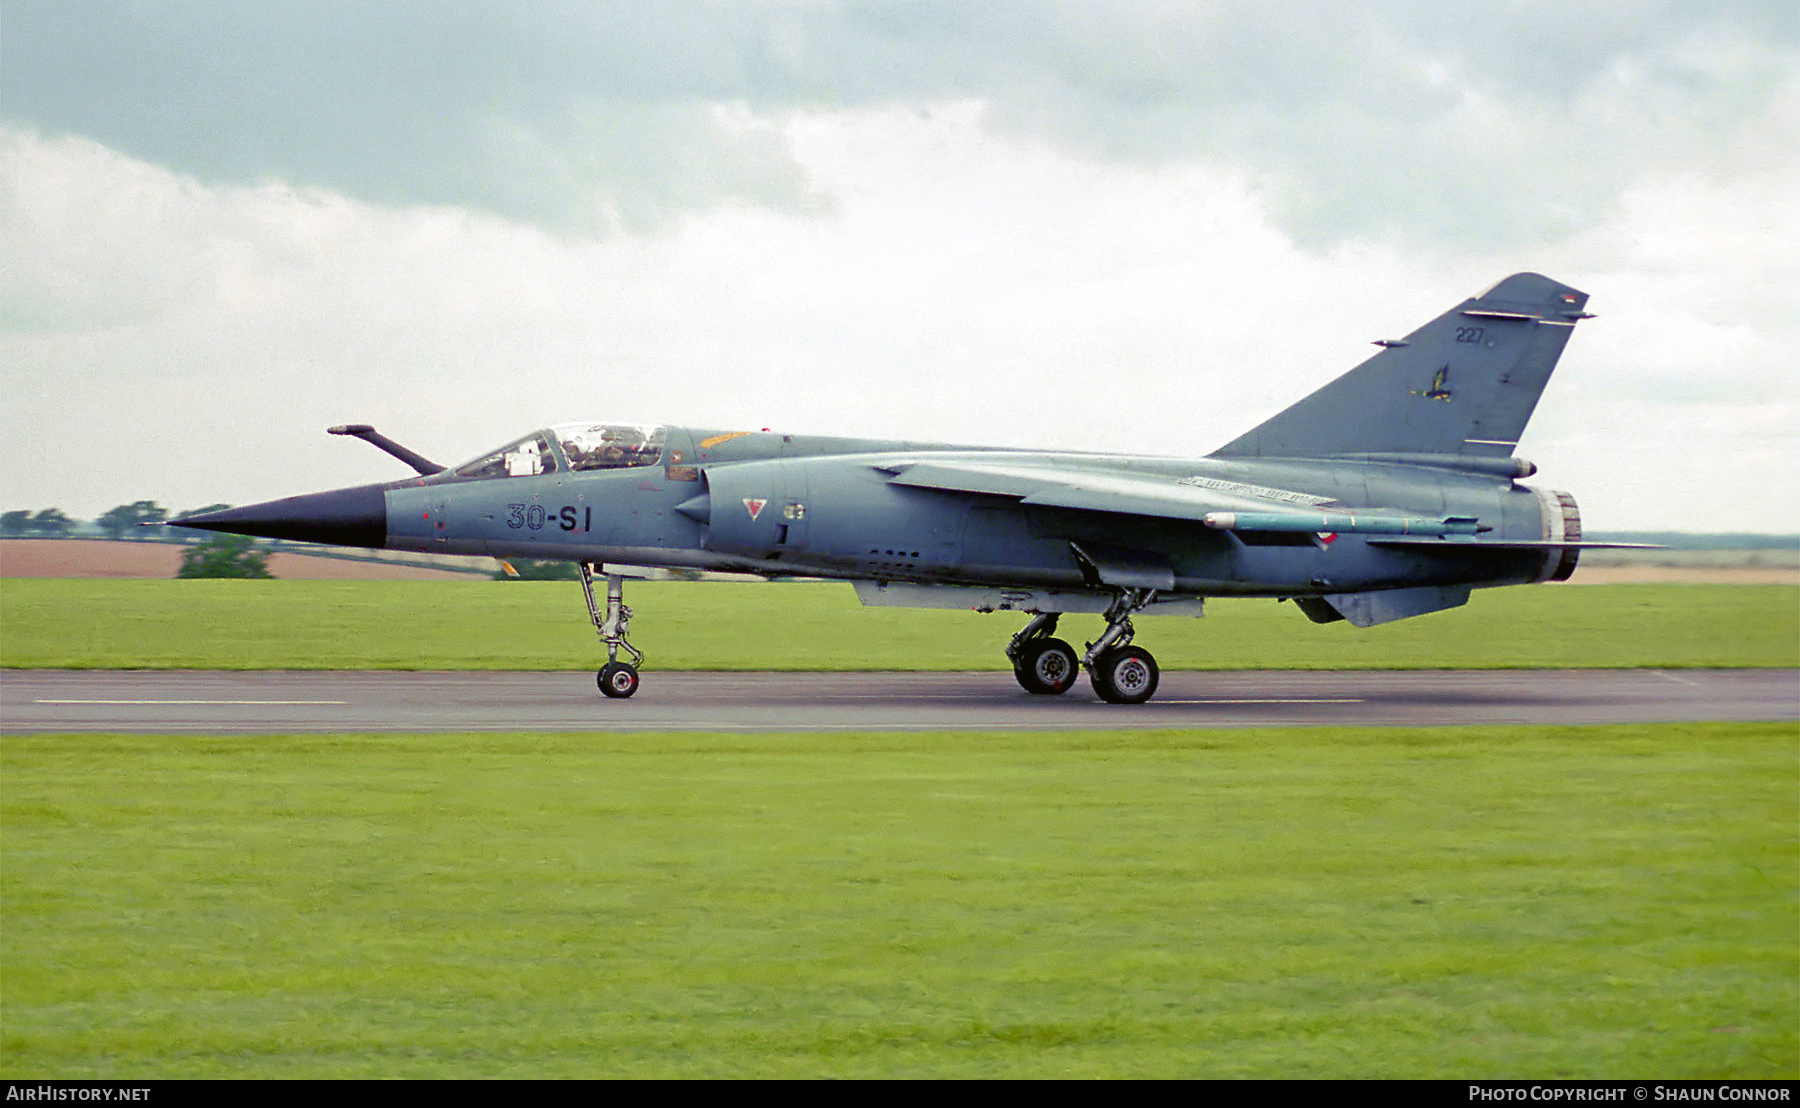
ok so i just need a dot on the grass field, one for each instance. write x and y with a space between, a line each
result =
1459 902
733 625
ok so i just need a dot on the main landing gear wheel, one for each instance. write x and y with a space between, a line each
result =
617 680
1043 665
1046 667
1124 675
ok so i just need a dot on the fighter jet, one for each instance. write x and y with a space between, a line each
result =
1391 492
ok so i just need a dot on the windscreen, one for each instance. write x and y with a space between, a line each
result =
528 457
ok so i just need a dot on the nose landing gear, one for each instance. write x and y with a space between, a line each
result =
616 679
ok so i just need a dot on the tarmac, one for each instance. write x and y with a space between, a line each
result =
237 702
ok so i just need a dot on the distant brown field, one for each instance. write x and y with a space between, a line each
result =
1693 575
100 558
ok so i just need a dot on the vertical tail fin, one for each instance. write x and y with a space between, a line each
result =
1462 385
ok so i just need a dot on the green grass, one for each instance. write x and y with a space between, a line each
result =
729 625
1456 902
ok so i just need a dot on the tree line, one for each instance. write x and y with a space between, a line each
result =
213 556
132 521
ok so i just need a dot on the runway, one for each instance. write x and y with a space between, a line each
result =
210 702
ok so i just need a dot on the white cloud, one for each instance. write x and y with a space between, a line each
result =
188 343
1393 118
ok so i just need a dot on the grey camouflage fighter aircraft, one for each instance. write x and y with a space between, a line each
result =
1390 492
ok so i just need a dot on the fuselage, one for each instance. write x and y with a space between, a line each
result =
777 504
1388 493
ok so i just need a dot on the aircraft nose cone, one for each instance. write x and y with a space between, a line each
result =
341 517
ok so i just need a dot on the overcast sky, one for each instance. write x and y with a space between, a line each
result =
1140 226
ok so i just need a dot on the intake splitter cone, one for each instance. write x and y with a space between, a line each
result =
342 517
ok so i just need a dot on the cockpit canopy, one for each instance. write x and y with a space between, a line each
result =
610 445
571 446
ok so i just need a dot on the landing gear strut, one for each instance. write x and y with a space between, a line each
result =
616 679
1043 665
1122 673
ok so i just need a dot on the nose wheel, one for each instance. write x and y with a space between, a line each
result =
616 679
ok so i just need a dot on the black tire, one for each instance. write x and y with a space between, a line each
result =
1047 667
617 680
1125 675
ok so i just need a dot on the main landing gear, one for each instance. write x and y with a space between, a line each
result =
1043 665
1120 673
616 679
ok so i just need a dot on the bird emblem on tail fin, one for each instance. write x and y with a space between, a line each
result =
1440 386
